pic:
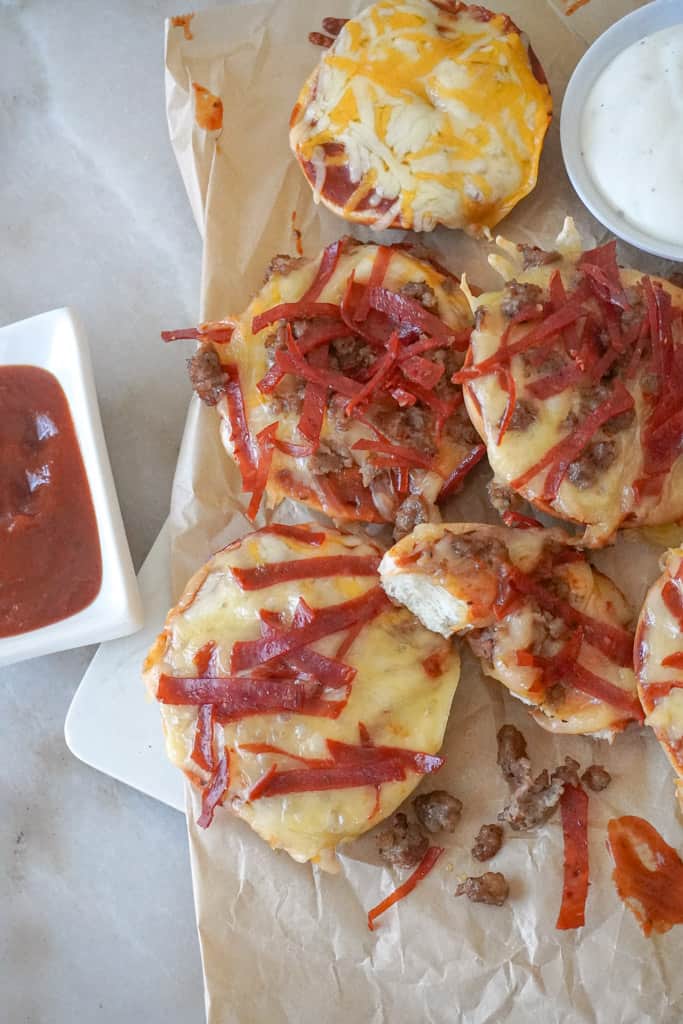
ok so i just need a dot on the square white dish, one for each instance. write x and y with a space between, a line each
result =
55 342
110 725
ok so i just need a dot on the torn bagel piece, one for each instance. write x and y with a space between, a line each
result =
573 380
293 693
334 386
423 112
659 660
537 615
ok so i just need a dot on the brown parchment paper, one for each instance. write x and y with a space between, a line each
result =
281 941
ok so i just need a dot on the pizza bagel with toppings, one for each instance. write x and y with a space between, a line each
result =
293 692
423 112
573 381
334 386
539 617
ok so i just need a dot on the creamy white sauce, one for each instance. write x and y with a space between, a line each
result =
632 134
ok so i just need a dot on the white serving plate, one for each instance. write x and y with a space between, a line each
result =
55 341
111 725
651 18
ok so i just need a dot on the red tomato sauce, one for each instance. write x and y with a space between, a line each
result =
648 873
50 558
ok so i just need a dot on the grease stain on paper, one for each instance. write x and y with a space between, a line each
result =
297 235
208 109
183 21
575 6
648 873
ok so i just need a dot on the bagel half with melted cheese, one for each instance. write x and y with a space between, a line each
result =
574 381
334 386
659 661
294 693
538 616
423 113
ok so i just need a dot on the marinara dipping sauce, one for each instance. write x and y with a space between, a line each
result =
50 558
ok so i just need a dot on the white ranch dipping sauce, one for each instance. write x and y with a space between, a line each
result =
632 134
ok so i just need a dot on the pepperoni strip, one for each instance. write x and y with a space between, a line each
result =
297 451
441 408
295 311
329 671
373 328
264 442
614 642
604 257
511 389
574 810
313 338
300 697
421 871
380 371
240 435
232 692
405 311
543 334
377 274
673 600
605 289
314 780
305 568
674 660
559 457
396 452
293 362
315 401
422 371
519 522
368 753
215 331
214 791
316 335
556 383
326 268
556 289
202 750
656 691
456 477
425 344
585 681
307 629
351 767
301 533
271 380
203 658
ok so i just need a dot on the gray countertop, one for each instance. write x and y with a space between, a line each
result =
97 922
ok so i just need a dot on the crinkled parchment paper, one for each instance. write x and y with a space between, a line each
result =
281 941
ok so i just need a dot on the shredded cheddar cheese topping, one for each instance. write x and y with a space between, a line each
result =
438 113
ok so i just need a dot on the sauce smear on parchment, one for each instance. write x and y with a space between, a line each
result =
50 559
648 873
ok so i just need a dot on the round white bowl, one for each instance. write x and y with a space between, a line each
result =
648 19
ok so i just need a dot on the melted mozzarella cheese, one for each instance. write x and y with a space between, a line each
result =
439 112
392 694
